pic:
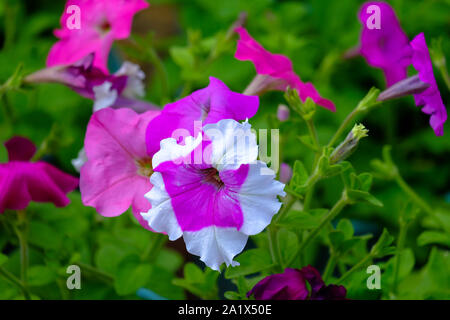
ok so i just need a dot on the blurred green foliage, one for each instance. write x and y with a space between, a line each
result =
314 34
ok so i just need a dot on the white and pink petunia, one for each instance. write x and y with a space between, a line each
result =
212 191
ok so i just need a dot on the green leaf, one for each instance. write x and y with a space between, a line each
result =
251 261
169 260
295 220
382 247
201 283
433 237
3 259
346 227
362 196
288 243
108 258
232 295
44 236
40 275
131 275
300 178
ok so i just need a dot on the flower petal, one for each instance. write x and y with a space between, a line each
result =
20 149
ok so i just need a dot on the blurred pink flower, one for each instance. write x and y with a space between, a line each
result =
22 181
204 106
430 99
388 47
117 172
275 71
102 22
285 173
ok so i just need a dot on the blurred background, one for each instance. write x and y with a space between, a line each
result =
188 37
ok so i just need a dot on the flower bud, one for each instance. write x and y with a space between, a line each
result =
283 112
411 85
349 145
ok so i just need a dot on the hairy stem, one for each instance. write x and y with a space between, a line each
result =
357 266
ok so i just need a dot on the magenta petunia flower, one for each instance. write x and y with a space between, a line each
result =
387 47
291 285
204 106
430 99
275 71
22 181
212 191
116 174
101 22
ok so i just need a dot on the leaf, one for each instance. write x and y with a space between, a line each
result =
362 196
131 275
382 247
433 237
251 261
346 227
44 236
288 243
201 283
3 259
169 260
300 178
108 258
40 275
302 219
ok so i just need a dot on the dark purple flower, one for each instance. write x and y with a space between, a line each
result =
387 47
291 285
430 98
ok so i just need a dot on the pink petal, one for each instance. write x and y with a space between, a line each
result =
115 141
277 66
208 105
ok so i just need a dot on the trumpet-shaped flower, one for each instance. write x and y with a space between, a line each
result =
387 47
430 99
275 71
212 191
204 106
291 285
116 174
101 22
22 181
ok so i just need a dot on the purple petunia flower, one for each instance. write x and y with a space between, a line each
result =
430 99
387 47
291 285
22 181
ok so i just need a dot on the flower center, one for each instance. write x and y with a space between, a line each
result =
211 176
104 27
144 167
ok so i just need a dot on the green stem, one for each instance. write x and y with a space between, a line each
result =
315 177
343 127
400 246
418 200
23 244
286 207
357 266
328 218
332 261
15 281
161 70
152 251
273 247
101 275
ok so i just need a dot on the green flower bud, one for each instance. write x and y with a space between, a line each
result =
349 145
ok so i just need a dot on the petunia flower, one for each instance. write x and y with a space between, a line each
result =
204 106
292 285
275 71
212 191
119 90
430 99
285 173
387 47
22 181
101 22
116 174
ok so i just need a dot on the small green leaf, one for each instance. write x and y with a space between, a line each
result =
302 219
3 259
131 275
434 237
346 227
362 196
40 275
251 261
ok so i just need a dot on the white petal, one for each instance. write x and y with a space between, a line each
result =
135 85
104 96
233 144
80 160
170 150
258 198
215 245
161 217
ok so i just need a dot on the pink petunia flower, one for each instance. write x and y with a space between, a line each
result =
430 99
101 22
22 181
291 285
212 191
208 105
275 71
116 174
387 47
